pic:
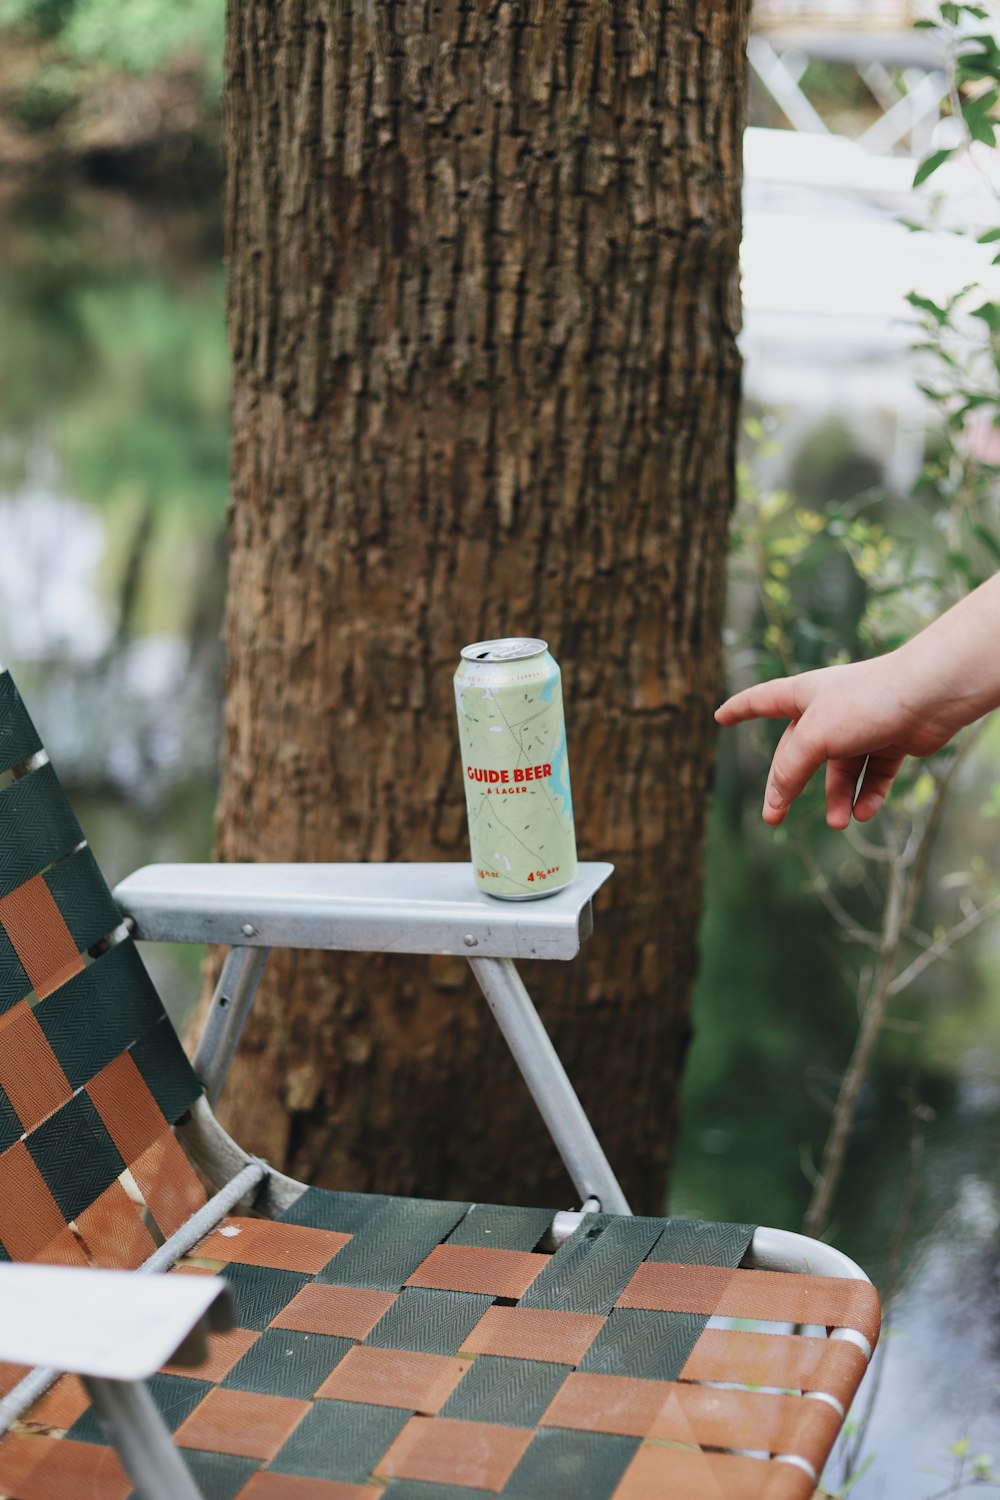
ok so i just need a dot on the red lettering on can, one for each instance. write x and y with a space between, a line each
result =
504 777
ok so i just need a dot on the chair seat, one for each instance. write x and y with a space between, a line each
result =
416 1349
433 1349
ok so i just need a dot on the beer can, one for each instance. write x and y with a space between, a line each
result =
515 769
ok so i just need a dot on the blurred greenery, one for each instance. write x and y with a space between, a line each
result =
136 35
119 365
153 426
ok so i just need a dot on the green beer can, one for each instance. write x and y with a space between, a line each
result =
515 769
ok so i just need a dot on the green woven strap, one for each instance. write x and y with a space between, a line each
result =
91 1072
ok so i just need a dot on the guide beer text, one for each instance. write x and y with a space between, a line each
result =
519 773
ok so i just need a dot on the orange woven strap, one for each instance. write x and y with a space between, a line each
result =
143 1137
765 1296
681 1474
777 1361
40 937
473 1455
703 1415
32 1227
35 1468
30 1073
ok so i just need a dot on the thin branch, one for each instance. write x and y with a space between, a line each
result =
942 945
848 926
951 1491
908 871
864 846
807 1164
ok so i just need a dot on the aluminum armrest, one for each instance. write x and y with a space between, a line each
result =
369 908
111 1324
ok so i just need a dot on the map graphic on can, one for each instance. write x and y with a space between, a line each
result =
515 769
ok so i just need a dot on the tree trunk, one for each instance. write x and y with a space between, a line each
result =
483 305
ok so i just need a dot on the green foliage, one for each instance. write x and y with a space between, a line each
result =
975 68
137 36
141 35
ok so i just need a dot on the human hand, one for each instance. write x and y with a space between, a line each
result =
864 717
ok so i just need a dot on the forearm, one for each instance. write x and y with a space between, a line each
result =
956 660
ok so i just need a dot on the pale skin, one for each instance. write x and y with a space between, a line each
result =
862 720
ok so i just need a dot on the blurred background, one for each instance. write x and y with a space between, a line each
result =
113 484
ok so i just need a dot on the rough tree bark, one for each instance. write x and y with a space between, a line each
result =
483 308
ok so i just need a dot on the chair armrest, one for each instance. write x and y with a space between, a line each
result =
113 1324
368 908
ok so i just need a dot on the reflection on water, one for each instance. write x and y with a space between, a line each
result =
112 488
53 547
56 627
113 477
940 1355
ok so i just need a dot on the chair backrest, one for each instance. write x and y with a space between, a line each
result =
92 1075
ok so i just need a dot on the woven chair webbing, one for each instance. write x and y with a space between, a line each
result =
92 1075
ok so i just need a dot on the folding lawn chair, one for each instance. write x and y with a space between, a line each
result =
424 1350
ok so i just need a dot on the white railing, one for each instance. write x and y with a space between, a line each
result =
864 14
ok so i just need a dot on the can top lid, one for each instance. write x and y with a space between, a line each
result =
512 648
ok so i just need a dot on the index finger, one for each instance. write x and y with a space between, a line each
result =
781 698
800 752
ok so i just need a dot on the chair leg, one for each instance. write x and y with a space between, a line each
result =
551 1089
140 1435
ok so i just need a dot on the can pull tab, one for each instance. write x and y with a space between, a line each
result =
511 648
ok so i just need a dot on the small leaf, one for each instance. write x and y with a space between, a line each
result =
976 114
989 237
976 65
810 521
990 314
925 305
931 164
